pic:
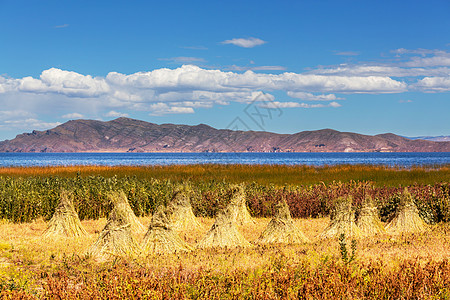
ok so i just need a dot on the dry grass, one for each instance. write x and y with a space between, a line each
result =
22 246
25 256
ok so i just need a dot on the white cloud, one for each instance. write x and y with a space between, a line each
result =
434 61
20 119
194 83
159 109
187 87
407 63
334 104
419 51
276 104
341 84
312 97
434 84
13 114
127 96
72 116
246 43
405 101
58 81
189 77
30 123
380 70
193 104
115 114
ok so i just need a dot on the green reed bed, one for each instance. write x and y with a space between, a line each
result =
263 174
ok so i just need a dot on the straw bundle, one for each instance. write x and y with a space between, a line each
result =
368 220
182 217
406 218
116 237
281 228
240 212
224 232
65 221
160 238
119 199
342 220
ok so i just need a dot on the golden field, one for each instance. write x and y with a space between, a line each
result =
409 266
28 262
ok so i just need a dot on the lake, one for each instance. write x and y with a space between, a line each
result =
317 159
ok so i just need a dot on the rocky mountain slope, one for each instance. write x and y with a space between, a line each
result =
129 135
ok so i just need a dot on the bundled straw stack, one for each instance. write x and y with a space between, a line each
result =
65 221
342 220
238 201
182 217
160 238
119 199
368 219
281 228
224 232
116 238
406 218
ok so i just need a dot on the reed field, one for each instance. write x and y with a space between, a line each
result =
402 266
263 174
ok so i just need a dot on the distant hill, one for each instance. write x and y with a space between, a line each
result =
129 135
441 138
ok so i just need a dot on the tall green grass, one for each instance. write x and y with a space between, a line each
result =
23 199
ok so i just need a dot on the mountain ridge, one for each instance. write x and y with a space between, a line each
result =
131 135
440 138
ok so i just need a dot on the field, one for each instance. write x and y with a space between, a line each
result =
410 266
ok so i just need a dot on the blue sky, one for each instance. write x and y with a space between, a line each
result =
286 66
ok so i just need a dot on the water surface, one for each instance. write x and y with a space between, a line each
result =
316 159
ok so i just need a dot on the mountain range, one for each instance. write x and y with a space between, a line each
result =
441 138
130 135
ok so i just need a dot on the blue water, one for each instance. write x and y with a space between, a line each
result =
317 159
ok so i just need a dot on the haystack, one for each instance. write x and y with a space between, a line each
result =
240 212
160 237
368 220
342 220
406 218
224 232
116 238
65 221
119 200
182 217
281 228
